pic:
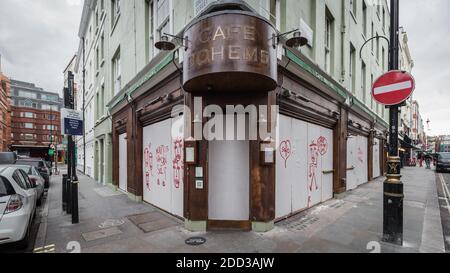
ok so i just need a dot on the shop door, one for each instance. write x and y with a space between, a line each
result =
351 162
362 167
163 165
376 158
123 176
229 174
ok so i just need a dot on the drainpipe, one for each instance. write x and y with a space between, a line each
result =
84 107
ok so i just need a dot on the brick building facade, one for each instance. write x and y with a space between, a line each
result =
5 113
35 119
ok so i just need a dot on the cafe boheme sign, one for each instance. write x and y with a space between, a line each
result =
230 52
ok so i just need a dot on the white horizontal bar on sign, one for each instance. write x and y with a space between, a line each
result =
393 87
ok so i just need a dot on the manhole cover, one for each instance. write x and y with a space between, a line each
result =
195 241
112 223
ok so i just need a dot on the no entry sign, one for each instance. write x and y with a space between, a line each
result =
393 88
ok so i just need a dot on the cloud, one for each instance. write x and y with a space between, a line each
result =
38 39
427 25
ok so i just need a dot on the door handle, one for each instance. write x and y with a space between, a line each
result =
328 172
351 168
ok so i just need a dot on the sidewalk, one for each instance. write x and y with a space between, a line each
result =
110 222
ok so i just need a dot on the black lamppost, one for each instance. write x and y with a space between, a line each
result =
393 186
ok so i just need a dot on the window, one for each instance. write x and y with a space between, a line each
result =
364 82
371 45
51 127
51 117
115 4
27 94
273 11
117 73
49 107
163 17
354 7
97 112
102 100
352 69
28 136
49 97
371 97
97 59
151 29
28 125
378 49
102 47
364 22
329 41
383 18
28 115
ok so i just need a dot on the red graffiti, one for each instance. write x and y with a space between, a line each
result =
148 166
316 148
285 151
178 162
161 164
147 181
322 145
314 154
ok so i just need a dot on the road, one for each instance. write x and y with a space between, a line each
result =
443 187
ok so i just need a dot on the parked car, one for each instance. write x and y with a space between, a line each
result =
17 205
36 179
40 165
443 162
7 158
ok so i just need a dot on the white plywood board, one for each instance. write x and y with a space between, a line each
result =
326 148
229 186
351 162
123 172
314 186
376 158
163 165
297 165
304 152
283 189
361 170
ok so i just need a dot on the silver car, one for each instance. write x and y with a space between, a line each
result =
37 180
18 197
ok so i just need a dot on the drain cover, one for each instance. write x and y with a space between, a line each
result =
195 241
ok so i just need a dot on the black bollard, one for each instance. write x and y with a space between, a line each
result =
75 217
64 192
69 196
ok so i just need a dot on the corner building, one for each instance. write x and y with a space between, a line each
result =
330 134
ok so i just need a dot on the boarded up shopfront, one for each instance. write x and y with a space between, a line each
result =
123 172
163 165
304 166
376 158
357 161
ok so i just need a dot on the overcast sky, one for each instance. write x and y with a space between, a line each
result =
39 37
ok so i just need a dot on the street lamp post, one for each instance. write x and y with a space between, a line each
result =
393 186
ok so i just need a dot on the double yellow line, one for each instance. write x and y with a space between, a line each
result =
45 249
446 191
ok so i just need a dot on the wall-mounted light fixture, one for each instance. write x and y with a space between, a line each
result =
165 45
297 40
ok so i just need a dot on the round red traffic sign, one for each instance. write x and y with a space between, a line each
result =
393 87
